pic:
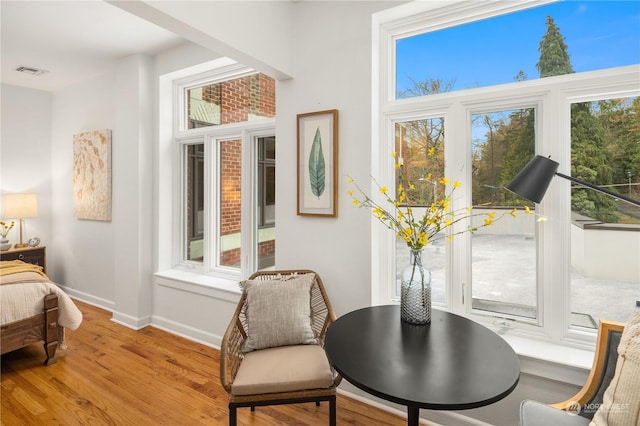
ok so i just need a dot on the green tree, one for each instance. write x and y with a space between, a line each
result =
554 59
522 136
591 162
590 158
620 119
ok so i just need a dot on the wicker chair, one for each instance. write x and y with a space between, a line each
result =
231 356
533 413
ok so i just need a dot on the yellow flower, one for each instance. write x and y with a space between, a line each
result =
513 212
527 210
429 221
393 153
431 151
406 233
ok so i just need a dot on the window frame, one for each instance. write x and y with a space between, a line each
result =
248 133
550 96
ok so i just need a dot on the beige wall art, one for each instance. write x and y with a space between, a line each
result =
92 175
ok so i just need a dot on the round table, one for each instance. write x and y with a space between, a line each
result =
452 363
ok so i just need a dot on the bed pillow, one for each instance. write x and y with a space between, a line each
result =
621 401
279 312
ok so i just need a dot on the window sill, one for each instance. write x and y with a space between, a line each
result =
551 360
193 282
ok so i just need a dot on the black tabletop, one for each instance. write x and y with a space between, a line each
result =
451 364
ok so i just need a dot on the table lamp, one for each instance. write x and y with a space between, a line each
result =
20 206
534 179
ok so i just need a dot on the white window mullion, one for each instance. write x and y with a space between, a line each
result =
212 203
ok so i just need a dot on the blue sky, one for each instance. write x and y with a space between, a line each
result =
599 34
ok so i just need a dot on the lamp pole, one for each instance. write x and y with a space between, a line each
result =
629 177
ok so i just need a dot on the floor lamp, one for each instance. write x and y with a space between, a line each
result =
534 179
20 206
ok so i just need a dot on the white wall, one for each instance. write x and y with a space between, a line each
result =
107 263
606 253
82 251
333 70
25 155
257 34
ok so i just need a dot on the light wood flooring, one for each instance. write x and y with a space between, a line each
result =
112 375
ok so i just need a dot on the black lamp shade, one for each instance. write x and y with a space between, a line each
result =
534 179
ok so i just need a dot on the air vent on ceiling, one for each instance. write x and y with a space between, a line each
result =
31 70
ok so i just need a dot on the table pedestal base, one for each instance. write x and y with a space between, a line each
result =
413 416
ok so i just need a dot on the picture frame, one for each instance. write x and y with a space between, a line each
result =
317 174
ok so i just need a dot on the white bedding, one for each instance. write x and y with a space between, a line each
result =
22 290
26 299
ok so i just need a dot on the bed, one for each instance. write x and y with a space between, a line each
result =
33 309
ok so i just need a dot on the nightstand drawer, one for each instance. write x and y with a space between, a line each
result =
35 255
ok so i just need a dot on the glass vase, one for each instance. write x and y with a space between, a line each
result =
415 291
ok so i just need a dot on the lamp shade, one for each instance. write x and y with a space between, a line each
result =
534 179
19 206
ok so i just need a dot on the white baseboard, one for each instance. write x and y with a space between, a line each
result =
436 418
190 333
99 302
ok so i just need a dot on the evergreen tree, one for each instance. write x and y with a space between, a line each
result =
590 157
554 59
591 162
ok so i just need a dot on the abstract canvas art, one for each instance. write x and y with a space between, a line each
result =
92 175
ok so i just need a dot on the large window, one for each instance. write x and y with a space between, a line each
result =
228 180
500 49
419 145
542 93
605 232
503 263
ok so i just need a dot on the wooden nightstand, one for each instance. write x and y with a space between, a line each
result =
35 255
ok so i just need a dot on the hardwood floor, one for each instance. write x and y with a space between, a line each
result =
112 375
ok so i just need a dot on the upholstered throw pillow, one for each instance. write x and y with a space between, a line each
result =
621 400
279 312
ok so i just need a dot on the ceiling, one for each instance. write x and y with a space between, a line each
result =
72 40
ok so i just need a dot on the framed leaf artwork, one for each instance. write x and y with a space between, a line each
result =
318 163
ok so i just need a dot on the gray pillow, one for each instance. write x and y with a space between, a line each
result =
279 312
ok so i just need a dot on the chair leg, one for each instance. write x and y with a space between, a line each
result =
332 411
317 403
253 408
233 420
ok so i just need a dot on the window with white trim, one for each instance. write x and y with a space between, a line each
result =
517 273
226 139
